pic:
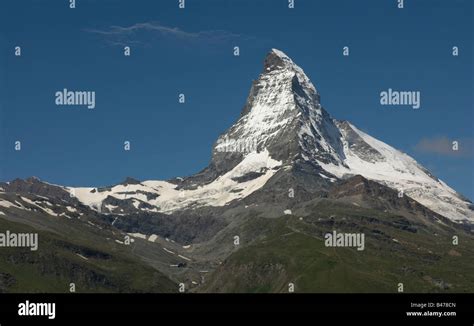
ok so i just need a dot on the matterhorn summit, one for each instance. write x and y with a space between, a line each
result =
284 139
283 114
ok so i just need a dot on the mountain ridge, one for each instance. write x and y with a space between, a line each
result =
282 128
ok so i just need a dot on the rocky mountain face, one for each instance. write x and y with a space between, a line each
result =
284 137
285 157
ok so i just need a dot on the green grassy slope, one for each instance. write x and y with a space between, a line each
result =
105 266
422 257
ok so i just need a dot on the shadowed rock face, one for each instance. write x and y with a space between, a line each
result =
130 181
275 60
374 195
364 151
33 185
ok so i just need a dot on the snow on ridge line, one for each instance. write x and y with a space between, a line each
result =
217 193
401 172
92 197
224 189
281 54
375 143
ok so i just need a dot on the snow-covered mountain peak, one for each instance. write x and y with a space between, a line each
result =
281 102
283 115
276 59
277 62
283 133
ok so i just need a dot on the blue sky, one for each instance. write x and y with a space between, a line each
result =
190 51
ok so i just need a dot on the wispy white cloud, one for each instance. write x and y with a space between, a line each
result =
142 33
444 146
